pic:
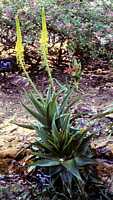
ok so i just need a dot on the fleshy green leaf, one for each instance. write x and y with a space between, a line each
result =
43 146
70 165
42 133
40 107
36 115
54 127
65 101
46 163
53 145
51 109
65 121
28 126
68 142
81 162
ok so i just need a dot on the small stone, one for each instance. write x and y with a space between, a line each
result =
11 139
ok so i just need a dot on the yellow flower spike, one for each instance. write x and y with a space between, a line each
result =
44 38
44 46
19 48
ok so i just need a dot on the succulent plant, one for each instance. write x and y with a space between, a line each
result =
62 149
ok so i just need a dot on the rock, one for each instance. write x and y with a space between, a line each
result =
8 153
12 154
4 165
110 116
103 148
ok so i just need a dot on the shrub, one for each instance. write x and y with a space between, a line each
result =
88 26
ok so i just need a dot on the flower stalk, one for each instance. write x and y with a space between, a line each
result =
19 48
44 46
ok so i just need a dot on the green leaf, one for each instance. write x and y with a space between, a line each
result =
65 101
70 165
54 131
52 107
84 146
53 145
71 104
43 146
42 133
46 163
81 139
49 94
31 126
36 115
40 107
61 121
63 88
66 138
68 143
81 162
54 127
65 122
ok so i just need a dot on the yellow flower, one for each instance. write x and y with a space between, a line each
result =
44 39
19 48
44 45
